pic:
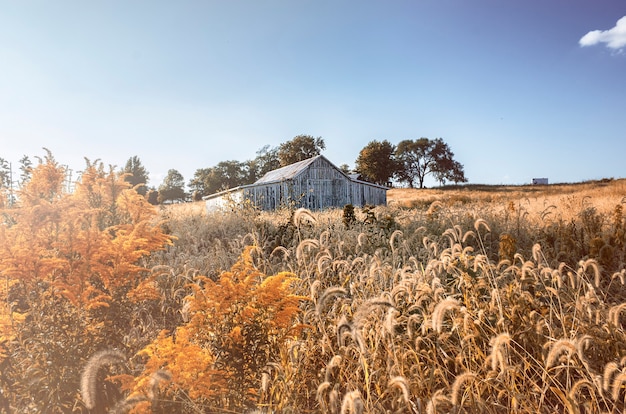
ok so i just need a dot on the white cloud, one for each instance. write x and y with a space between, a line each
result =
615 38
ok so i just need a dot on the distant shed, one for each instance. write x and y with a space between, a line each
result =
540 181
314 183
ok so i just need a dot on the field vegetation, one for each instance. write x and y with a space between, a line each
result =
468 299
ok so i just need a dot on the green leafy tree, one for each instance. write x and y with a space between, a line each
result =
153 196
300 148
345 168
226 174
422 157
137 176
200 183
266 160
376 162
231 173
173 187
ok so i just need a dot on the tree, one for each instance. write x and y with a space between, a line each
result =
424 156
152 196
173 187
266 160
226 174
300 148
376 162
137 176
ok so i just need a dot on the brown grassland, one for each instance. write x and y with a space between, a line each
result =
473 299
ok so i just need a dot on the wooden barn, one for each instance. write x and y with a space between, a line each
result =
314 183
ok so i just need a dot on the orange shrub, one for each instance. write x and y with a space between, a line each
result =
71 272
235 327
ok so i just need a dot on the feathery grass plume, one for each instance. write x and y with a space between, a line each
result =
333 400
537 254
390 320
281 249
527 270
361 239
437 398
498 351
365 309
315 285
302 215
578 385
156 379
615 313
326 295
609 371
334 362
481 223
392 238
325 238
621 275
616 385
308 243
574 279
592 263
352 403
439 313
321 392
324 262
89 378
582 344
467 235
454 234
125 405
434 207
265 382
400 382
458 383
558 348
344 328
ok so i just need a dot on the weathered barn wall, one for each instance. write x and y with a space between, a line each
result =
315 184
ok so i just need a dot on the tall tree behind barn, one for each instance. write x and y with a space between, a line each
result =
314 183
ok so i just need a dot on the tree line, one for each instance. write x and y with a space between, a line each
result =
380 162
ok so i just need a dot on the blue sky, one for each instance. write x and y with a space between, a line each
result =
518 89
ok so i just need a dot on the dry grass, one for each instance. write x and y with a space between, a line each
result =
464 300
564 200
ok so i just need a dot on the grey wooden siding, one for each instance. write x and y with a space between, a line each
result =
316 185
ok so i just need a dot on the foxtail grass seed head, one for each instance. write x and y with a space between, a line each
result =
89 378
446 305
459 381
326 295
560 347
609 371
301 216
352 403
401 383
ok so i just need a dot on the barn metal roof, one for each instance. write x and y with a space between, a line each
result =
286 173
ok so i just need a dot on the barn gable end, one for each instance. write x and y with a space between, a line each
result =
314 183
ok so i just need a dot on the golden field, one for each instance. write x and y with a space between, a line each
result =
456 300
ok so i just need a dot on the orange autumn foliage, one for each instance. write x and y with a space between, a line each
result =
86 244
234 326
71 271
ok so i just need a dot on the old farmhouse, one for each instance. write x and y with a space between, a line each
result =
314 183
